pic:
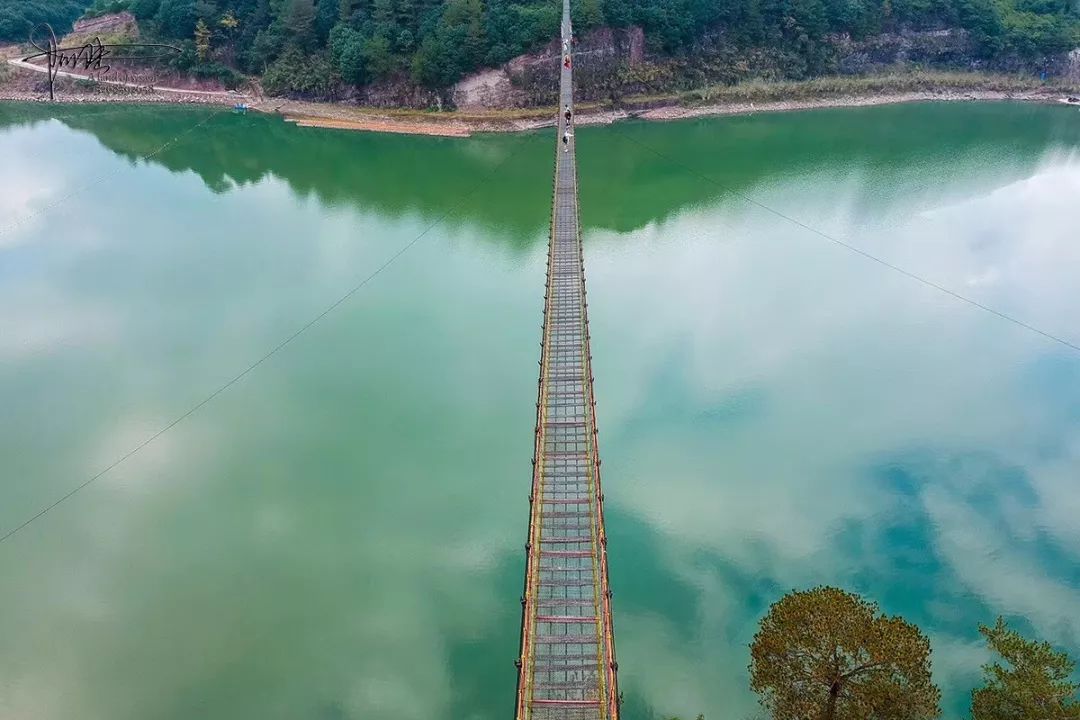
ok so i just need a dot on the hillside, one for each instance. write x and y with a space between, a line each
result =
416 52
17 17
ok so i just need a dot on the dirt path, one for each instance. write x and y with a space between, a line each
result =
23 64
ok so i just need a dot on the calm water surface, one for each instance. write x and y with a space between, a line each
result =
340 534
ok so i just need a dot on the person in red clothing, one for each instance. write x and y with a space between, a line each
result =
566 62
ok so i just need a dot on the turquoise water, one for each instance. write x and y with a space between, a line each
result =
339 534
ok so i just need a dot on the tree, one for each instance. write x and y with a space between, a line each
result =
383 15
693 41
378 59
266 46
297 75
17 17
455 48
205 9
229 22
587 15
1036 685
202 40
982 18
145 9
299 22
326 16
347 52
828 654
429 63
465 20
176 18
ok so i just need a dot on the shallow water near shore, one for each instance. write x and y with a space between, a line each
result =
340 533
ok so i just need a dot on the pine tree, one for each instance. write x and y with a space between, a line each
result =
1037 684
828 654
202 40
300 22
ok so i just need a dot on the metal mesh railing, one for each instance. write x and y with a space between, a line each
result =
567 668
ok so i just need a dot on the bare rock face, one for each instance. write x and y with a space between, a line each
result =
931 47
950 48
394 94
487 89
1072 68
621 45
533 79
598 58
105 23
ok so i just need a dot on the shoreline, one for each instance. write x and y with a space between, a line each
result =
779 97
341 117
849 101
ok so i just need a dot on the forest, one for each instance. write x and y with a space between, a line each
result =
309 47
18 16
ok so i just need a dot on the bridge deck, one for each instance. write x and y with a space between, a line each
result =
567 664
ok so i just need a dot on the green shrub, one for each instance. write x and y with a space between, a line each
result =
106 7
297 75
17 17
216 71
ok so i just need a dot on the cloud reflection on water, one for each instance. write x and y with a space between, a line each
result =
856 376
774 412
289 551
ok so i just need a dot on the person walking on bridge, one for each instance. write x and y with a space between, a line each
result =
566 140
567 114
566 62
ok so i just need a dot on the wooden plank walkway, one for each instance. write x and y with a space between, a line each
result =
567 668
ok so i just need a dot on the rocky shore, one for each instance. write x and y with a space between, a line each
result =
25 86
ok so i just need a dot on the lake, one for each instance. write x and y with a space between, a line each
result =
339 534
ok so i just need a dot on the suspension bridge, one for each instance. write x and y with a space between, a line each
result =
567 668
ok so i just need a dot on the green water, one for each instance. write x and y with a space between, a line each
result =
340 533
